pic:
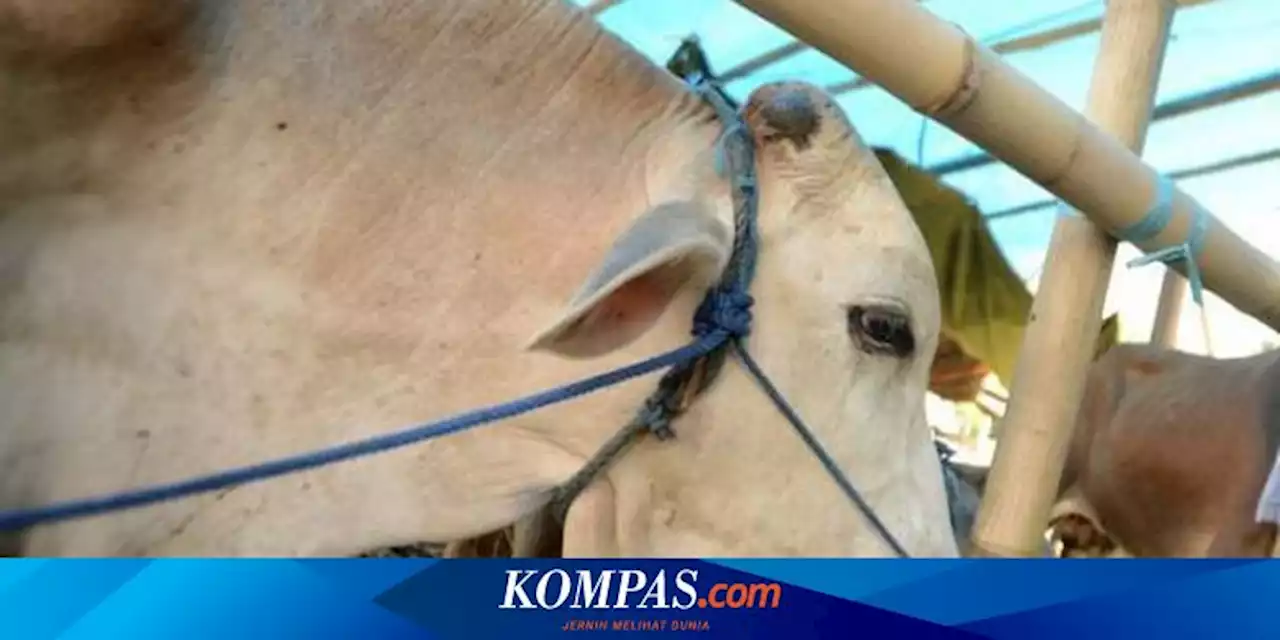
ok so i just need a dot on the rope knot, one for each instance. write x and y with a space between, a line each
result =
656 417
724 310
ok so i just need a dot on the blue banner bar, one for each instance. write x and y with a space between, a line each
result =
472 599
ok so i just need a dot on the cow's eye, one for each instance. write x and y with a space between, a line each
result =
881 330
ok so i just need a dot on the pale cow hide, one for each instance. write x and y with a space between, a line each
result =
238 230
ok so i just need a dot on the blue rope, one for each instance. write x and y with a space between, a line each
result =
1154 222
816 448
23 518
1155 219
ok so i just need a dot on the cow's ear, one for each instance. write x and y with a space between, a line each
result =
672 245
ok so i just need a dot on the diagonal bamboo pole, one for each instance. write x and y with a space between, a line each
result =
1186 173
1020 44
1030 42
1203 101
939 71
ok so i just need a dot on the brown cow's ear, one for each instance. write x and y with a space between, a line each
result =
675 244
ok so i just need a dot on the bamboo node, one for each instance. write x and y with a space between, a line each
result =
966 88
1051 178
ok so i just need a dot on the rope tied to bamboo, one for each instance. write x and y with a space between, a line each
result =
1153 223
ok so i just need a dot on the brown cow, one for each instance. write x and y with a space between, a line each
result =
1170 455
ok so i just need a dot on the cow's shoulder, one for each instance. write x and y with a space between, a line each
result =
1140 360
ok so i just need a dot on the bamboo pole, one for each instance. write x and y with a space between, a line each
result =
1203 101
939 71
1031 42
1173 292
1066 316
1220 166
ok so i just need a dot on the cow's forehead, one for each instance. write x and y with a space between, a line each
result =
830 207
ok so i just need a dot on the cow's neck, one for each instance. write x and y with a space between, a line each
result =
376 178
316 139
303 94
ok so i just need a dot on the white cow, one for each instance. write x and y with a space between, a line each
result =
237 230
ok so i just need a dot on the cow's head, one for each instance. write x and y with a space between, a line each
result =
846 324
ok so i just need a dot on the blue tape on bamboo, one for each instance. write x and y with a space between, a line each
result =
1156 218
1155 221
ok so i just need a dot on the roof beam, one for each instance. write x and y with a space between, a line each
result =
765 59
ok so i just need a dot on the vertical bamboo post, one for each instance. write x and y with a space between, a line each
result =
1173 292
1066 316
1169 310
